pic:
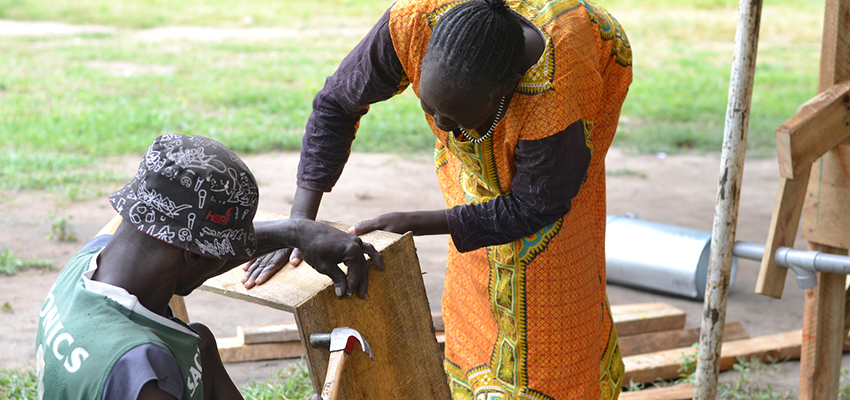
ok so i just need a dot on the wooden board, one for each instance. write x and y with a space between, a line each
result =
665 364
632 319
232 349
681 391
395 319
826 210
291 285
255 334
819 125
781 233
665 340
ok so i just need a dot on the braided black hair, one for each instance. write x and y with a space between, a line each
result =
477 47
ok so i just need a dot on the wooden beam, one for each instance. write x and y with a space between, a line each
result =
255 334
781 233
657 341
819 125
232 349
823 329
665 364
632 319
681 391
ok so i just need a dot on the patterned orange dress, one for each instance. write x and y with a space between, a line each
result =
530 319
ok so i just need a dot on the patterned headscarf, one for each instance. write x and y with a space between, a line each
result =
194 193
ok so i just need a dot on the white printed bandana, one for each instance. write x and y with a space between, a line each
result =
194 193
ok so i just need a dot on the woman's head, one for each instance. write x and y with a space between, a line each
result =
476 50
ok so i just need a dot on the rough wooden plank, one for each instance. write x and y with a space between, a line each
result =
835 46
232 349
682 391
254 334
819 125
825 209
665 364
396 321
657 341
632 319
291 285
178 307
823 334
781 233
110 226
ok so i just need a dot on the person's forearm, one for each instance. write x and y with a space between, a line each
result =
306 203
271 236
430 222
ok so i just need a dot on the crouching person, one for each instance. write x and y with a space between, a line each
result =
106 331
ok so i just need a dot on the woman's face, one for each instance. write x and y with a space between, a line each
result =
452 109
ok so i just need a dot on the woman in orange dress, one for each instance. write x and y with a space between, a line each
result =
524 98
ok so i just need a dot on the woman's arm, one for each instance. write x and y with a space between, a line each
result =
370 73
549 174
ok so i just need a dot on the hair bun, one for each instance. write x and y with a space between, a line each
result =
497 5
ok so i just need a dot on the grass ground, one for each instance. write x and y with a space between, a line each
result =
66 102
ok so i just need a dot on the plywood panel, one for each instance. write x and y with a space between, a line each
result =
826 210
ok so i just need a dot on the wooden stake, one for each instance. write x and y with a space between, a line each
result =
823 334
728 196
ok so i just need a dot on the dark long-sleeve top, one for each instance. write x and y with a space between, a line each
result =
549 171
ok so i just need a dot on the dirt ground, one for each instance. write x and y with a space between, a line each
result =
675 190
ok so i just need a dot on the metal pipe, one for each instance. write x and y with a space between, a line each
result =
804 263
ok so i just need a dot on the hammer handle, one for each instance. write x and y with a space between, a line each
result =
330 390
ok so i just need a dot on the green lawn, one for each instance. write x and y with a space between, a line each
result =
67 102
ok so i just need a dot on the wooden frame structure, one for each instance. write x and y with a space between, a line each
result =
821 193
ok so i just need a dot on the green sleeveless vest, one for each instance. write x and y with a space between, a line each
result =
82 334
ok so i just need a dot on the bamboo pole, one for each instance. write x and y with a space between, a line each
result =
728 195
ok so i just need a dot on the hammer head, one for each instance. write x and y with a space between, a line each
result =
341 339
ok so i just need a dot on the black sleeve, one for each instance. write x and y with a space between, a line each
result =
371 73
549 174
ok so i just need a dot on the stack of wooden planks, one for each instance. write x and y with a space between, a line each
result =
653 340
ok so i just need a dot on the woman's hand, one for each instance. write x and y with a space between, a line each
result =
418 222
324 247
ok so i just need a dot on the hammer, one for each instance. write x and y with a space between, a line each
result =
341 342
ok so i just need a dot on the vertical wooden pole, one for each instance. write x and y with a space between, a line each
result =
728 195
823 334
824 314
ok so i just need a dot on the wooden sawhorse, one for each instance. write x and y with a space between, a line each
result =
812 147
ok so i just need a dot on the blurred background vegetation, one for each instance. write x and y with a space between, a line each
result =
68 102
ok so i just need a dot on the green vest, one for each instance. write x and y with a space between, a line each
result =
82 334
